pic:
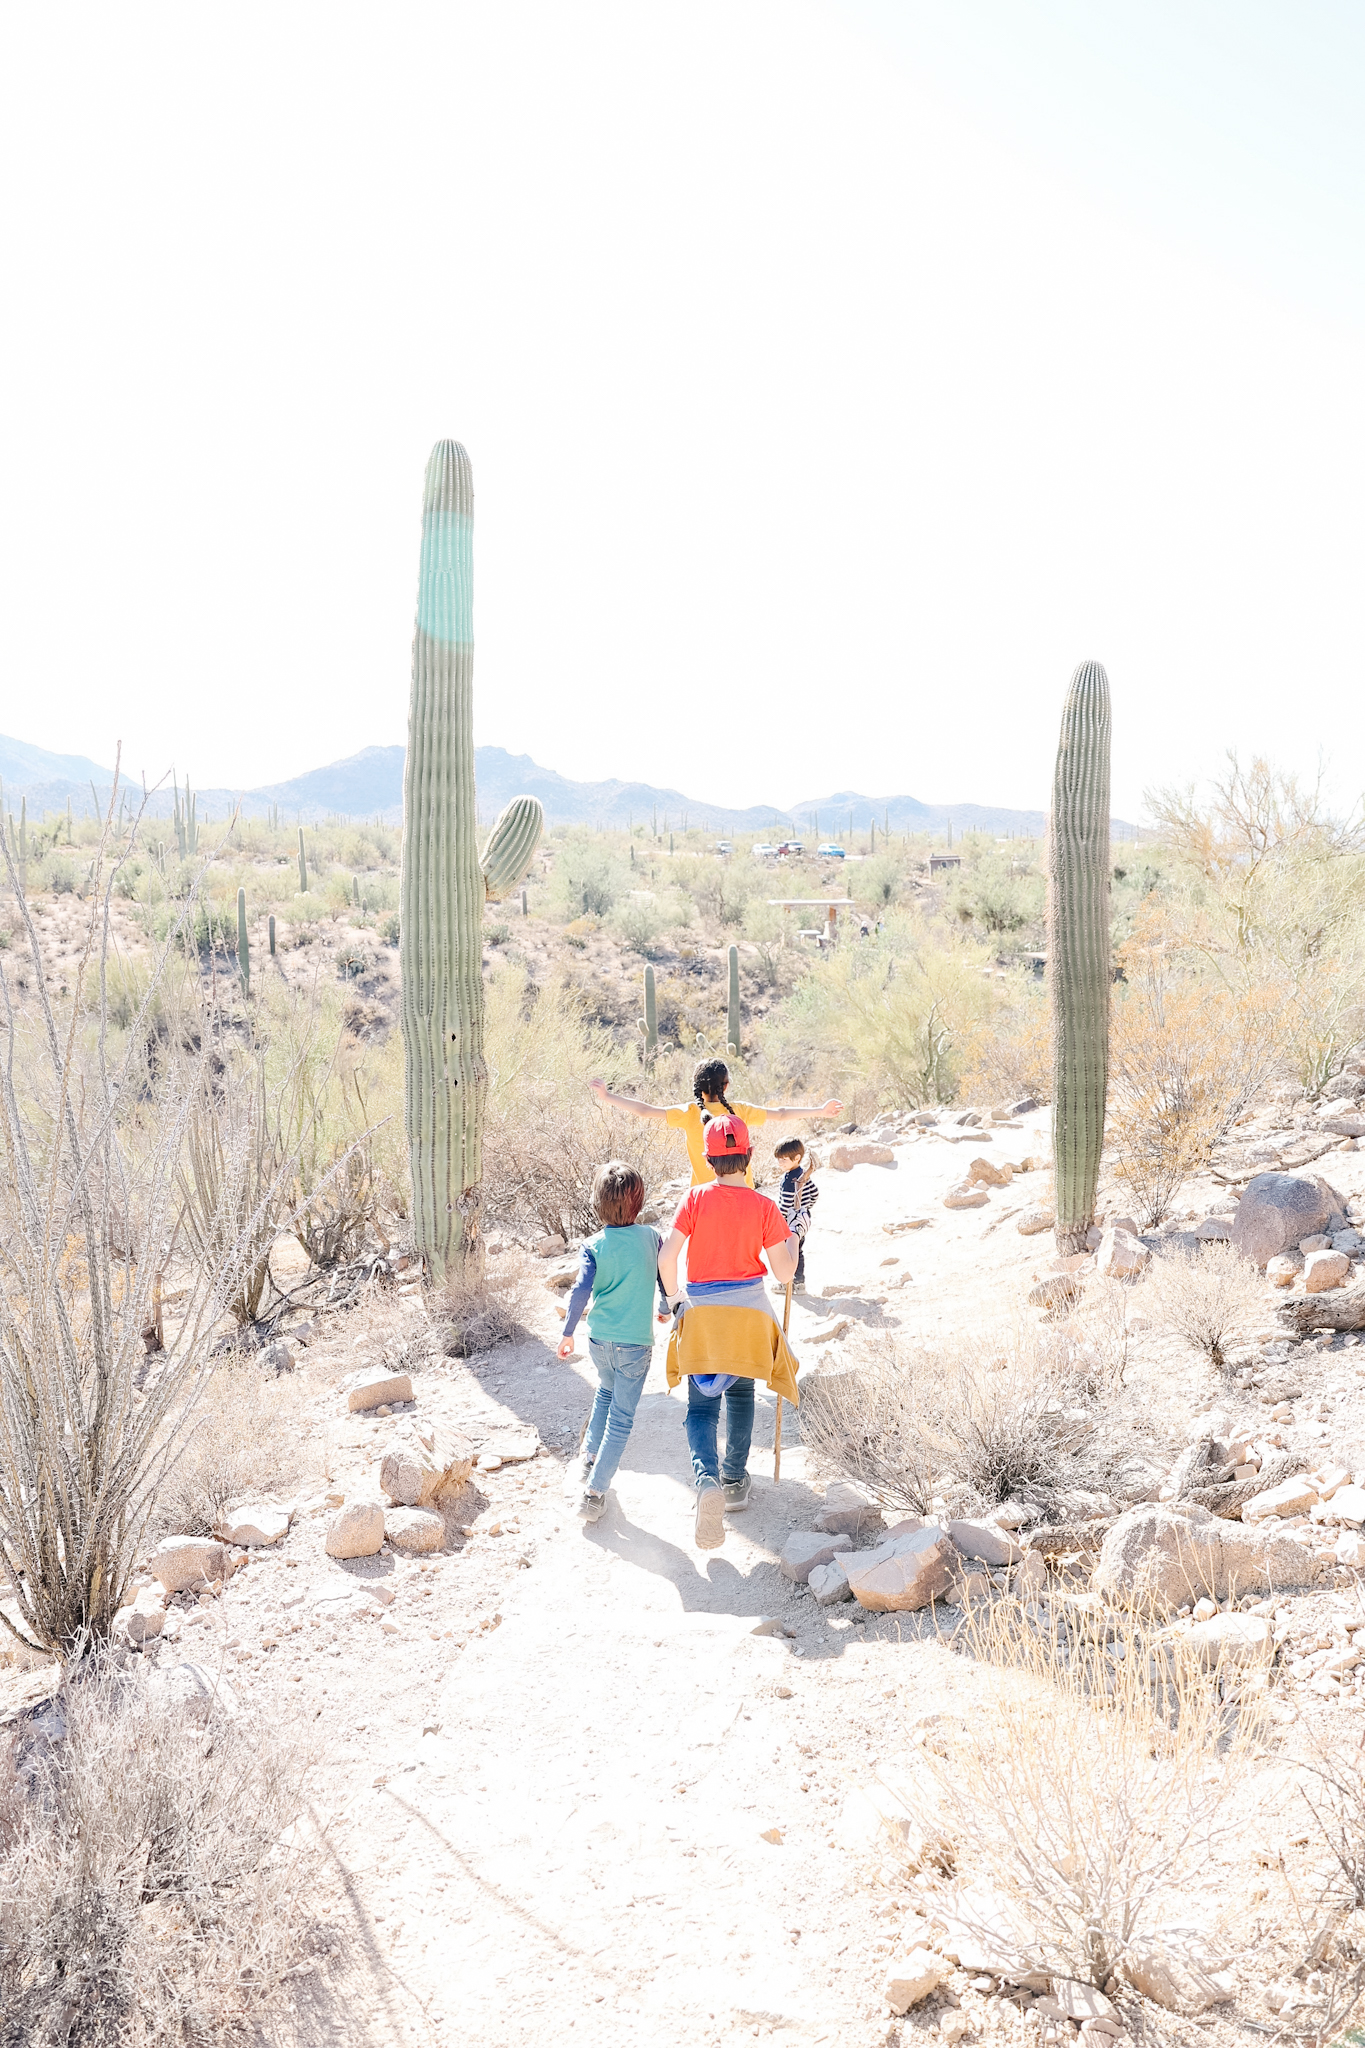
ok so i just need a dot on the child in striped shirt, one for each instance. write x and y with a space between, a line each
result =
796 1198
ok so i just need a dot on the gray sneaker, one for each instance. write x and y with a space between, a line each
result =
738 1493
576 1472
592 1507
709 1532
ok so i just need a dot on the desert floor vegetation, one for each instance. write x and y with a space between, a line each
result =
256 1772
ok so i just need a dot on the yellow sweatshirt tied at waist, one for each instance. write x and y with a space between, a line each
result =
738 1335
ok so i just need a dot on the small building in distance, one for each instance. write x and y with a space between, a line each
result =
939 861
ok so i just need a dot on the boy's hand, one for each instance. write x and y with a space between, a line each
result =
567 1347
663 1316
831 1108
599 1088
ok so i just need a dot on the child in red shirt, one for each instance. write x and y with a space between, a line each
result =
727 1227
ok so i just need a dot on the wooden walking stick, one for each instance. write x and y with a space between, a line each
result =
777 1431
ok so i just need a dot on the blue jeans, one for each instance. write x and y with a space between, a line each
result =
703 1422
621 1370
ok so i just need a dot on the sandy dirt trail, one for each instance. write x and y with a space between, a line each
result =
583 1836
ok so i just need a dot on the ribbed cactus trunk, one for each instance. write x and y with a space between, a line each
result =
649 1023
443 889
1078 950
272 936
732 1013
303 866
243 951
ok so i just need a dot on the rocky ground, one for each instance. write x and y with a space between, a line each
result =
589 1781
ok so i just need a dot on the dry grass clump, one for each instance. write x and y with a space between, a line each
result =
1214 1298
152 1889
246 1437
1097 1777
919 1424
482 1303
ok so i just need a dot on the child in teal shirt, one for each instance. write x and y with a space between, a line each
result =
618 1271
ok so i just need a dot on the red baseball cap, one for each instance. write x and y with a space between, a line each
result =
726 1134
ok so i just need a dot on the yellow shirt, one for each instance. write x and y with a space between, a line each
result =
688 1120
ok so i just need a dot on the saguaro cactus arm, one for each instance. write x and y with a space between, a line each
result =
443 888
511 846
649 1023
1078 949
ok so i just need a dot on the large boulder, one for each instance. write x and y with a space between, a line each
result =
804 1549
1121 1255
905 1574
1277 1210
378 1387
357 1530
414 1529
1158 1559
1323 1270
425 1463
844 1158
188 1563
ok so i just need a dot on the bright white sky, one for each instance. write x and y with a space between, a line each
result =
835 378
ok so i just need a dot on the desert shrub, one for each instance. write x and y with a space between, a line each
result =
89 1192
1185 1061
914 1425
544 1134
587 878
152 1886
765 926
351 961
639 922
235 1182
878 882
483 1303
1092 1782
1214 1298
1009 1054
999 893
497 934
719 888
390 928
245 1437
894 1014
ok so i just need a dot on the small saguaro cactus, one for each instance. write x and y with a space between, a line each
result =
272 934
649 1023
303 866
511 847
243 953
732 1017
355 891
1078 949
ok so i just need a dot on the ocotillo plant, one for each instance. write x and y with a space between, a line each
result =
243 955
649 1023
1078 949
272 935
303 866
443 890
732 1018
511 847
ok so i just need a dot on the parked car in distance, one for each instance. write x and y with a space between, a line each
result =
829 852
762 852
723 846
790 846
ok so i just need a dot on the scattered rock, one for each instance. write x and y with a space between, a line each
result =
984 1173
825 1333
1158 1558
1055 1290
1347 1504
513 1447
378 1387
1024 1108
806 1548
1214 1230
907 1223
1178 1967
986 1931
1121 1256
188 1563
1283 1271
1229 1639
1277 1210
849 1511
911 1978
1081 2002
1325 1269
275 1358
985 1541
414 1529
965 1197
1030 1577
829 1583
843 1158
903 1575
1034 1222
425 1464
142 1620
1293 1496
561 1279
549 1247
358 1531
1350 1549
1319 1242
255 1524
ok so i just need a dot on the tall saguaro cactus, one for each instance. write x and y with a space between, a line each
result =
649 1023
732 1013
443 890
1078 949
303 866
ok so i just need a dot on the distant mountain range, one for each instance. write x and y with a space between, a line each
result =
370 785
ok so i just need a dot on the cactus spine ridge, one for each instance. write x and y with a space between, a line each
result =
272 934
1078 948
443 887
243 952
649 1023
511 846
